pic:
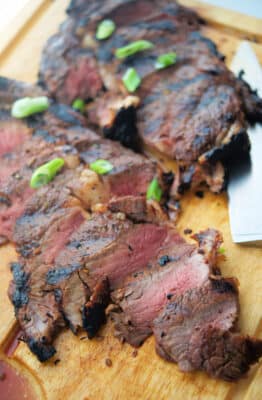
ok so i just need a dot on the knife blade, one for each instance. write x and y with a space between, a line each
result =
245 183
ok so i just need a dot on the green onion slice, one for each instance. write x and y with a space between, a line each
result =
105 29
28 106
79 105
46 173
131 80
221 250
133 48
165 60
154 191
101 167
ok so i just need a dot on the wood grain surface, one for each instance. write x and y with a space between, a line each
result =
82 372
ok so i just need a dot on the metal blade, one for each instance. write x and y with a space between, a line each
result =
245 185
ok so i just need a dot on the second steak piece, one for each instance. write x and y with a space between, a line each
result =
177 267
194 112
198 331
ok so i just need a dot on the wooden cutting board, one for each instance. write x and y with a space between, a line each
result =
82 372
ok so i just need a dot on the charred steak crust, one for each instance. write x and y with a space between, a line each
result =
198 331
76 256
19 292
194 112
93 313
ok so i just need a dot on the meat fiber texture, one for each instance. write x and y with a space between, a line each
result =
195 112
59 132
41 222
86 240
199 331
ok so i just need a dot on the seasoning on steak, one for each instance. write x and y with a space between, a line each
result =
194 112
177 267
198 331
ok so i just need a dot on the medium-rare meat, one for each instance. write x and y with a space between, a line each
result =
194 112
24 145
198 331
177 267
63 280
15 188
32 141
130 177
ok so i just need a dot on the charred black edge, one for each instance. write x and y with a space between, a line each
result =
93 312
187 176
253 110
224 285
237 148
19 296
42 350
93 317
124 129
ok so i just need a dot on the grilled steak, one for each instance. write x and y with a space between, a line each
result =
14 185
13 131
198 331
195 112
64 277
36 139
86 239
177 267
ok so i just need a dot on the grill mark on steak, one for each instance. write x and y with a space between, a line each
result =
69 258
143 295
198 331
15 186
194 112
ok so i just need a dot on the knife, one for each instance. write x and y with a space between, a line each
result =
245 182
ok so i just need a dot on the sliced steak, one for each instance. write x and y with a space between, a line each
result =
66 276
67 70
177 267
194 112
130 176
15 187
198 331
132 172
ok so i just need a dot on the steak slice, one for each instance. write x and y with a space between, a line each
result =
198 331
15 189
177 267
67 275
67 70
130 176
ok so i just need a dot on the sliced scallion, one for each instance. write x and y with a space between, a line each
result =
28 106
79 105
154 191
165 60
221 250
133 48
46 173
101 167
131 80
105 29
